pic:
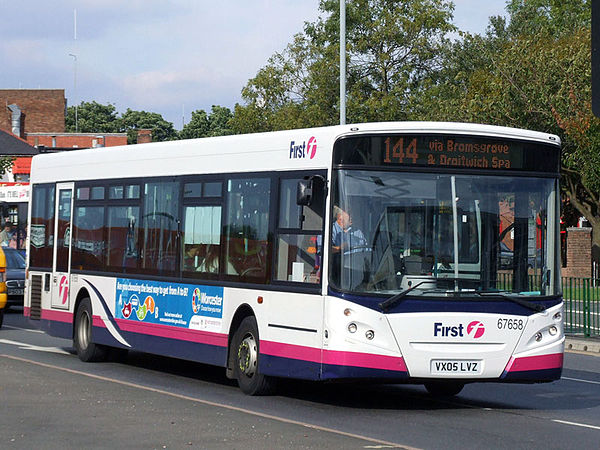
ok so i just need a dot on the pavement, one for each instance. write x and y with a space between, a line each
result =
580 344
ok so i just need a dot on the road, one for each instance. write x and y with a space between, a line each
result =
50 399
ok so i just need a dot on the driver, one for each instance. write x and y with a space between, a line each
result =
344 238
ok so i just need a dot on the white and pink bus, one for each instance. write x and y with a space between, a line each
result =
408 252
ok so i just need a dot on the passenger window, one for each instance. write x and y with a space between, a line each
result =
88 238
247 228
202 239
160 224
42 227
123 236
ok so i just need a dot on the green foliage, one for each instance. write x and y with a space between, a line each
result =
131 121
92 117
392 47
203 125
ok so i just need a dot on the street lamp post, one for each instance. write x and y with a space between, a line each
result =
342 62
75 87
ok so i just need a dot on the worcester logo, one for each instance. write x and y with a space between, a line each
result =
475 329
303 150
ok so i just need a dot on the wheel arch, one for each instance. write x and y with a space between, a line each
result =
242 312
83 293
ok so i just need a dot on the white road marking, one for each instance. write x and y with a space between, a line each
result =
594 427
8 327
36 348
581 381
221 405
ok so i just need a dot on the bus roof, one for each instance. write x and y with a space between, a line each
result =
300 149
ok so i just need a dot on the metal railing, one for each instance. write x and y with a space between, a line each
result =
581 298
582 306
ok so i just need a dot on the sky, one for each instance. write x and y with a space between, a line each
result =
169 57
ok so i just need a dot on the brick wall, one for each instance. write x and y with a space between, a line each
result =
80 140
43 110
579 253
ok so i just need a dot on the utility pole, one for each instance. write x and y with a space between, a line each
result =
342 62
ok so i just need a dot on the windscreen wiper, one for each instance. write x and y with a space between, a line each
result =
395 299
515 299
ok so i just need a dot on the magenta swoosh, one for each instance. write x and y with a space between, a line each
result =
167 331
540 362
333 357
57 316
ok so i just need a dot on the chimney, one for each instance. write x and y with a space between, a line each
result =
144 136
15 120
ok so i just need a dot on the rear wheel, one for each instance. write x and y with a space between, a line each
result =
444 388
245 351
86 349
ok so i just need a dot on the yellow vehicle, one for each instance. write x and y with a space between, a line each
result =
3 297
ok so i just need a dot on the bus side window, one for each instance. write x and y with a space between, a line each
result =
202 239
247 238
299 235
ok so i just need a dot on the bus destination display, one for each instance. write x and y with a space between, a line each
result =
464 152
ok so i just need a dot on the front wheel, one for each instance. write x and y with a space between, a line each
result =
87 351
444 388
245 351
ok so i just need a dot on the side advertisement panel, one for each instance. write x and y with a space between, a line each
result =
175 304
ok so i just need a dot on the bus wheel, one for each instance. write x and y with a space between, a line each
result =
245 350
86 349
444 388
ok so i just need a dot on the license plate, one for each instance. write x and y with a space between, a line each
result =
455 366
15 292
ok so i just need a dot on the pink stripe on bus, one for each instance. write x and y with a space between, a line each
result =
171 332
334 357
57 316
26 311
98 322
540 362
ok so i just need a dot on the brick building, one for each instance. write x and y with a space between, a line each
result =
32 111
38 117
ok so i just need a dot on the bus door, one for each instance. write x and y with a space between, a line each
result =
62 245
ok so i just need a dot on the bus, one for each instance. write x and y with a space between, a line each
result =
402 252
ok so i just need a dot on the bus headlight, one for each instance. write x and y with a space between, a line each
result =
557 316
552 330
370 334
538 336
352 327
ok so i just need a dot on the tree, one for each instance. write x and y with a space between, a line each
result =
92 117
533 73
203 125
392 46
131 121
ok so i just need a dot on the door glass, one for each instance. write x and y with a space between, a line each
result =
63 230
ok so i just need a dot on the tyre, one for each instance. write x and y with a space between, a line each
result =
444 388
245 351
87 351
